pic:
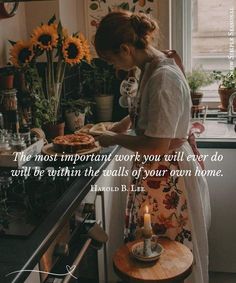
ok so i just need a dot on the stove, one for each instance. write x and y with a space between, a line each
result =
25 202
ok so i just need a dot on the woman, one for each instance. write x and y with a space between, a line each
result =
179 205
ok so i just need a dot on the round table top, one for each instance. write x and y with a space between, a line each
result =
174 264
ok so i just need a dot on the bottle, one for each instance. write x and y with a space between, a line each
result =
1 121
25 134
24 101
10 110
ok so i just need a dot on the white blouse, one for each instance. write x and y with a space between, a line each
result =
165 102
164 112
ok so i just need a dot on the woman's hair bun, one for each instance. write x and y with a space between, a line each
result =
142 24
123 27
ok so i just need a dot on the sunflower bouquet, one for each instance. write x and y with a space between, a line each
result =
60 49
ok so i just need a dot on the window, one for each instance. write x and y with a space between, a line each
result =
200 33
212 24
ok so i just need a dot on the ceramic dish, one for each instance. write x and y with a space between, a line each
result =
137 252
96 129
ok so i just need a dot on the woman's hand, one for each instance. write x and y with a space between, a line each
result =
107 139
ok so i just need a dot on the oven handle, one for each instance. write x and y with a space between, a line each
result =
77 260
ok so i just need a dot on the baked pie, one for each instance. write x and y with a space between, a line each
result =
73 143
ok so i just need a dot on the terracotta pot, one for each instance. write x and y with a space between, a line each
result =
224 97
104 107
74 121
196 97
53 130
6 81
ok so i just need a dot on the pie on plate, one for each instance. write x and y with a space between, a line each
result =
73 143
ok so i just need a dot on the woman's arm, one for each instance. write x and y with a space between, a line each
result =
142 144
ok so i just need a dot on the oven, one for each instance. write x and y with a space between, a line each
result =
73 255
71 245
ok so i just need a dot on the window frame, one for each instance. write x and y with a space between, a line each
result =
181 40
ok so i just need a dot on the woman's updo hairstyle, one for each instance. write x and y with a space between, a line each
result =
123 27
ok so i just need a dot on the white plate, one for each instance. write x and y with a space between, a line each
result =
137 251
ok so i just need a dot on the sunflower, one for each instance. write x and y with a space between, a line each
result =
72 50
86 48
45 37
21 53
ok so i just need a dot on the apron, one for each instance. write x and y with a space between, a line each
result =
165 198
176 204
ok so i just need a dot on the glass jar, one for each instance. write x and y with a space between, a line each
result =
9 100
10 111
4 144
25 134
17 143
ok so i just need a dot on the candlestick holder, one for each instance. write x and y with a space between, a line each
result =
149 249
147 245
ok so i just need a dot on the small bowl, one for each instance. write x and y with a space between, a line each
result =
137 252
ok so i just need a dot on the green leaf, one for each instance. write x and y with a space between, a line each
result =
52 20
12 42
75 34
59 29
124 5
93 6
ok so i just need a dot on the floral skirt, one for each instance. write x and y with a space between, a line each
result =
165 197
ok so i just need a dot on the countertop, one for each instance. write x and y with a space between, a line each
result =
217 134
24 253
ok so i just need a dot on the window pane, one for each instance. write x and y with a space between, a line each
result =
210 38
212 20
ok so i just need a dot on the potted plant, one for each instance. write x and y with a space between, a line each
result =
226 87
6 78
61 51
99 78
76 111
196 79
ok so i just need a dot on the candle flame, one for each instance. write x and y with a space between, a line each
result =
146 209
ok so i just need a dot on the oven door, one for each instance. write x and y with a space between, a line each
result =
80 264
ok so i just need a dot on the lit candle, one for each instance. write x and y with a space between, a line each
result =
147 221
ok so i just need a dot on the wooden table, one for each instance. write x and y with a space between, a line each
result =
174 265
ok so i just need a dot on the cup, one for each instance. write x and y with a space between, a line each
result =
129 87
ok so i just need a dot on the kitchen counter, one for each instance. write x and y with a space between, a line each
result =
217 135
24 253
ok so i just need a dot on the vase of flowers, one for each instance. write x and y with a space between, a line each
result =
61 51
